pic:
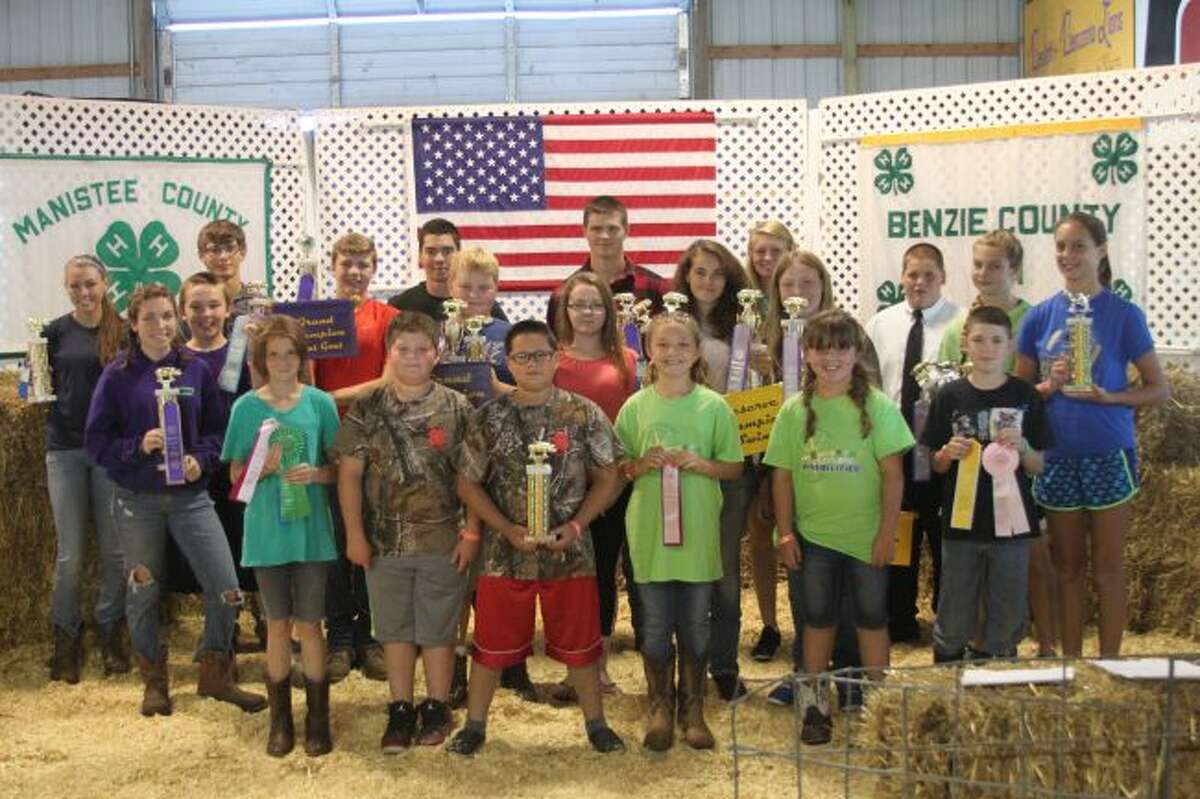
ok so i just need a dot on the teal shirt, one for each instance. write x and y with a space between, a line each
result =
836 478
268 539
703 423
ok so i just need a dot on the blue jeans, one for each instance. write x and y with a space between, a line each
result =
845 642
79 491
727 592
674 610
966 567
828 573
143 522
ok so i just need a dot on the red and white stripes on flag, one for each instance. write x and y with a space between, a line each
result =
662 166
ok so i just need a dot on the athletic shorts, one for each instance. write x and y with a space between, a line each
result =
1088 482
415 599
504 620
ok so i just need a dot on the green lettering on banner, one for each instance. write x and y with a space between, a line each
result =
895 224
1001 217
25 228
931 220
978 221
1110 216
1027 220
169 186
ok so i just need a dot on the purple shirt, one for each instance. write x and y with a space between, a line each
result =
124 408
215 360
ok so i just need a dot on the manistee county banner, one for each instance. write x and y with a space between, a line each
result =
950 188
139 216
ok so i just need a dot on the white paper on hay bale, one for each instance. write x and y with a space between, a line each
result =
976 678
1150 669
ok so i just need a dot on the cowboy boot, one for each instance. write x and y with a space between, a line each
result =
317 740
691 701
660 686
114 647
283 733
217 680
156 699
67 659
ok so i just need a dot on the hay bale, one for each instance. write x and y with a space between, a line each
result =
1167 434
26 524
1162 560
1098 736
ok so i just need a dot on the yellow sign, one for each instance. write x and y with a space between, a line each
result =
756 410
1064 37
904 538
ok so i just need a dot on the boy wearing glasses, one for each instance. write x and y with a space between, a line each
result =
518 573
221 246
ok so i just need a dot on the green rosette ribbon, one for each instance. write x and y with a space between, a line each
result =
293 497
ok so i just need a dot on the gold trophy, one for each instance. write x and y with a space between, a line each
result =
476 343
1080 342
452 329
537 498
41 385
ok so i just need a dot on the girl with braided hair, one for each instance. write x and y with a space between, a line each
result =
837 485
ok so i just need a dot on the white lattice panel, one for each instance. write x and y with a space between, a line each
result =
43 126
1168 97
363 174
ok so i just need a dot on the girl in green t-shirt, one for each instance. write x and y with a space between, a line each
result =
681 440
838 481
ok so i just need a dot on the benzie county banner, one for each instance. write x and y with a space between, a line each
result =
950 188
139 216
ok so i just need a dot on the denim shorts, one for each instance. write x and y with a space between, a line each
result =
827 573
1091 482
293 590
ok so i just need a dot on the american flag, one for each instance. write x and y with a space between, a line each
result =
517 185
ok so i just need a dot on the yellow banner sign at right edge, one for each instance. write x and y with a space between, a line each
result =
1066 37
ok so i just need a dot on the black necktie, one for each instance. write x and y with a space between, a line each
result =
909 390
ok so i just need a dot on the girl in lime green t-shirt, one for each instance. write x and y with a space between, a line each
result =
836 448
681 440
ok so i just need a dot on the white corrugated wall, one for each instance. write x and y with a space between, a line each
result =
52 33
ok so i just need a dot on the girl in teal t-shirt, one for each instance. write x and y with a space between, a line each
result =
681 440
836 448
288 528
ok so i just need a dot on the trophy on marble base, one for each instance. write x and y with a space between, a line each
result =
537 498
744 333
452 328
476 343
41 385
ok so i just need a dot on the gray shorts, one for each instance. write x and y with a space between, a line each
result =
416 599
293 590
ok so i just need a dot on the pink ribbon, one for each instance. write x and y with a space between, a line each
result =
1008 508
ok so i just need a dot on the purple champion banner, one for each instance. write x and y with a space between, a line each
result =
172 425
474 379
328 326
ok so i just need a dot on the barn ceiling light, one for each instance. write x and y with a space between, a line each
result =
393 19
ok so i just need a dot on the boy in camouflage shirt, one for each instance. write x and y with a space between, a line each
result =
517 573
400 448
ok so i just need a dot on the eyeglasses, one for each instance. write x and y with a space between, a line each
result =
537 356
586 307
220 249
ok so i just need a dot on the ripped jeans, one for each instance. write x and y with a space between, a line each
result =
143 522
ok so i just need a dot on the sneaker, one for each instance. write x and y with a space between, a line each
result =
458 684
517 678
401 725
817 728
729 686
466 742
372 662
435 722
782 695
604 740
767 645
339 663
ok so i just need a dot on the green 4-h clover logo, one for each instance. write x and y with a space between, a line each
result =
1122 290
133 261
894 176
888 294
1115 164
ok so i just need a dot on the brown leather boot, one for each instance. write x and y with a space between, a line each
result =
283 732
114 648
67 659
691 702
156 700
660 721
317 740
218 681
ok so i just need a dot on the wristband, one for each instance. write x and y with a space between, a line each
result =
576 528
468 535
787 539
